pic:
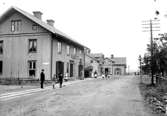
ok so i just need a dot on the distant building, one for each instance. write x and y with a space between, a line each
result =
112 65
100 59
108 66
28 44
119 65
91 65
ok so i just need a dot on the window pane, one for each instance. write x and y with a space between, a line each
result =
15 25
1 67
68 49
34 65
32 45
32 68
31 72
1 47
12 26
59 47
30 65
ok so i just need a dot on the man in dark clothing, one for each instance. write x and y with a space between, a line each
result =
42 78
60 79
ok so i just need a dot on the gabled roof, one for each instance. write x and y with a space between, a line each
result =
88 55
119 60
51 29
100 55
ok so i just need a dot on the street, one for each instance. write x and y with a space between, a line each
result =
118 96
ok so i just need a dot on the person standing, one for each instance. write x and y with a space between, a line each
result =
42 78
95 74
60 79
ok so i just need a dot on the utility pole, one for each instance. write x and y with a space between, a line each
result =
152 25
140 67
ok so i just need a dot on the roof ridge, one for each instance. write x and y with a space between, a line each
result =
52 29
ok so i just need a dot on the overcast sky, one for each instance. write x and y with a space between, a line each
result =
105 26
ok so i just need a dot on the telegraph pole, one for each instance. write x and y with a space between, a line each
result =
140 67
152 25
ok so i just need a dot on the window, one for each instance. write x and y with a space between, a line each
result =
1 67
34 27
59 47
67 67
32 68
16 25
1 47
91 61
32 45
74 51
68 50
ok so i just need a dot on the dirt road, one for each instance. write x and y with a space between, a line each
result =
100 97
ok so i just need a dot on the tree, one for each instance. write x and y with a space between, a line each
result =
159 57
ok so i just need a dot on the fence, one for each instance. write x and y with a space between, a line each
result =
157 79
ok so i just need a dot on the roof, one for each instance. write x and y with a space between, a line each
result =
119 60
99 55
38 21
91 57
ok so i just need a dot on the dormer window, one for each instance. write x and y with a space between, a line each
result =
16 25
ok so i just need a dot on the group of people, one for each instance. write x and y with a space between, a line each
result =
54 79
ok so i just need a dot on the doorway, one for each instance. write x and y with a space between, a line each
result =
59 67
71 68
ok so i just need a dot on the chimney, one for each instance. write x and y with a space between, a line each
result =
112 56
50 22
38 14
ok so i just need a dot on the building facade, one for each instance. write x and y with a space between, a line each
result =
108 66
91 66
100 59
119 65
28 44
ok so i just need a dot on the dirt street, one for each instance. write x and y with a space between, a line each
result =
118 96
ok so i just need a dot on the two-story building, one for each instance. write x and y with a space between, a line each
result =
28 44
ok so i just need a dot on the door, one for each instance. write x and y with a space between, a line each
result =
80 68
59 68
71 69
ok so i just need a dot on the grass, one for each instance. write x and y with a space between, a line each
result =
148 92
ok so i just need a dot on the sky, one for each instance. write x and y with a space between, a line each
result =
104 26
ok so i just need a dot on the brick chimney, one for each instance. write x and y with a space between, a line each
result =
38 14
50 22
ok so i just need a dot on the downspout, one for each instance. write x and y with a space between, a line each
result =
51 57
84 64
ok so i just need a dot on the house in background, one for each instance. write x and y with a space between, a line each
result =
28 44
119 65
100 59
112 65
108 66
91 66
